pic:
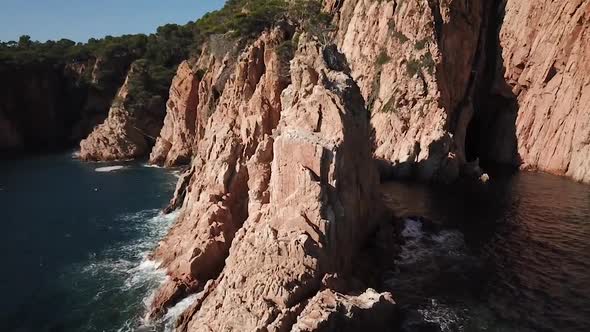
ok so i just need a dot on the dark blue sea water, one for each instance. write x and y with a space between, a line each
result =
73 242
512 255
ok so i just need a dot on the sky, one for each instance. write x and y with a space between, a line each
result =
80 20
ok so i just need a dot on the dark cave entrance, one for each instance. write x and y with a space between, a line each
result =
491 134
472 144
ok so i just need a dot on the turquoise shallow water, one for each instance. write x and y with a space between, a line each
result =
74 242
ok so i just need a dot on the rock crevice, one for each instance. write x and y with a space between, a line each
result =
219 189
450 83
283 191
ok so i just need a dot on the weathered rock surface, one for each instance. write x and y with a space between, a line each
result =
282 187
332 311
237 133
283 191
126 133
194 95
321 208
452 81
106 77
175 143
414 64
545 66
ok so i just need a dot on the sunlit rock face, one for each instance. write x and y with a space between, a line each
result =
281 188
414 64
282 191
543 63
129 130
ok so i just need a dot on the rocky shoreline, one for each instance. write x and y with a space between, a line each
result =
283 166
448 86
287 137
281 192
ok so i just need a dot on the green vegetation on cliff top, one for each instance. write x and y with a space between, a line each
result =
161 52
171 43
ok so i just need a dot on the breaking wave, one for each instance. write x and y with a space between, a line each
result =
151 166
108 169
174 313
426 255
422 247
125 275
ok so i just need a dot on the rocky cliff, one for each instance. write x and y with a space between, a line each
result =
542 72
283 138
177 138
33 107
132 124
453 82
281 193
49 106
416 63
194 95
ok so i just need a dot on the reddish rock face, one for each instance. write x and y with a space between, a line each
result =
128 131
455 81
175 143
236 136
323 203
194 96
282 191
332 311
116 138
545 60
414 65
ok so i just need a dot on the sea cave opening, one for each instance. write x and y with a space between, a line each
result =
491 134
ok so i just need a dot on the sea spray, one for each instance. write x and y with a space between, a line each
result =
127 269
85 265
426 254
174 313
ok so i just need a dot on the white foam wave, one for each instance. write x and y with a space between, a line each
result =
109 169
420 246
127 327
174 313
147 272
128 267
412 229
166 323
151 166
446 317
